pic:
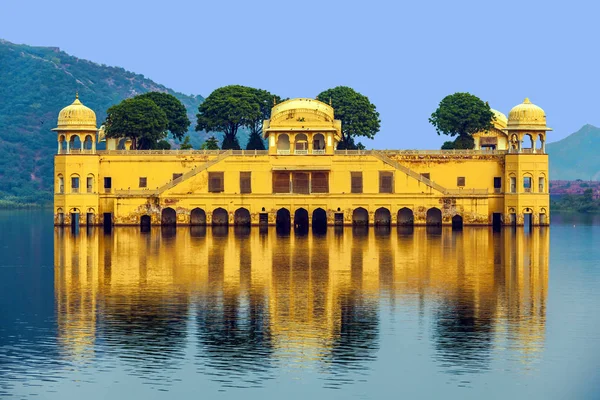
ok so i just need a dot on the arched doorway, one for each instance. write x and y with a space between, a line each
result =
168 217
283 220
457 222
220 217
301 220
319 221
145 222
360 217
198 217
434 217
318 144
383 217
406 217
241 217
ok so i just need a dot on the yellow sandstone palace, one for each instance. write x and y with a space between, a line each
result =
302 179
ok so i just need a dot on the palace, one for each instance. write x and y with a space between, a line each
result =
302 180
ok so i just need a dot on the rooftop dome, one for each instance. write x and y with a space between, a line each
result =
302 104
76 117
501 121
527 116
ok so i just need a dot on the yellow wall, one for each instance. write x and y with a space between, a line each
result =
475 202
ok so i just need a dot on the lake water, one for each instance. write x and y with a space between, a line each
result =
213 313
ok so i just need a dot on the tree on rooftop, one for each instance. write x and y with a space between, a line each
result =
139 119
210 144
226 110
265 101
462 115
358 115
186 145
178 122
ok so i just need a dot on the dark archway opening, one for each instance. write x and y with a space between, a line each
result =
75 221
145 222
496 221
457 223
283 221
107 222
360 217
406 217
319 221
434 217
198 217
383 217
220 217
168 217
301 221
241 217
527 221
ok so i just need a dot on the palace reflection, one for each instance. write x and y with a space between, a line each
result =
244 300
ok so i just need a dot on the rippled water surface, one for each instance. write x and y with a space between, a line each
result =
204 313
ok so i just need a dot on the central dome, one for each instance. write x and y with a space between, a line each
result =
527 116
302 104
76 117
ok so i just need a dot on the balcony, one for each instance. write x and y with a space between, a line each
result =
283 152
318 152
299 152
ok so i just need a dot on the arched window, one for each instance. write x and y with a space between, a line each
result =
541 144
62 144
88 143
60 182
527 183
528 144
318 144
513 183
75 144
542 183
75 183
283 144
301 145
89 183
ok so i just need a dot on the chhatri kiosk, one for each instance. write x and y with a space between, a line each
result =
302 179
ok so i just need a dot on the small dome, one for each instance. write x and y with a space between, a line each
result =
527 116
501 121
76 117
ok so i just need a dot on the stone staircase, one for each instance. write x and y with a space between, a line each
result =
193 172
381 156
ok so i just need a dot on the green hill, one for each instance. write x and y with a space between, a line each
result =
576 157
35 83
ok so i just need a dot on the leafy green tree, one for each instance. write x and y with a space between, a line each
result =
226 110
210 144
186 145
162 145
139 119
255 142
358 115
178 121
265 101
462 115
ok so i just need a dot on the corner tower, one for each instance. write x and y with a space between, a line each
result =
76 166
527 199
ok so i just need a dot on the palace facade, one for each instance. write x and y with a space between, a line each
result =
302 180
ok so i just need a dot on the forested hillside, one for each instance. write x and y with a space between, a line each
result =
576 156
35 83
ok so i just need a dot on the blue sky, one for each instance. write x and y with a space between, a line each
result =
404 56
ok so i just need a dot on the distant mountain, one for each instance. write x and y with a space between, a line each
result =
576 156
35 83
